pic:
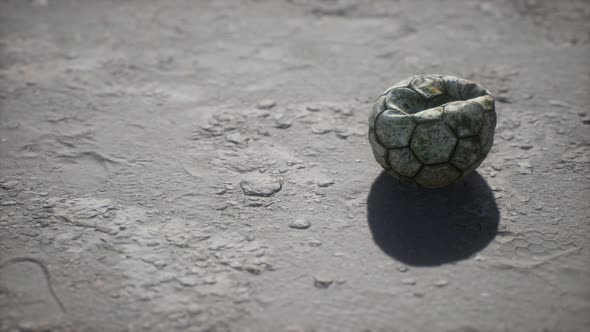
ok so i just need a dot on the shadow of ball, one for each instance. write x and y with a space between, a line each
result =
429 227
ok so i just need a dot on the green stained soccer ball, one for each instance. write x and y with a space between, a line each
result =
432 130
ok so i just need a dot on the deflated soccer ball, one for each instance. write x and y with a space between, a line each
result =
432 130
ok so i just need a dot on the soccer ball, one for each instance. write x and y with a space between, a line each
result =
432 130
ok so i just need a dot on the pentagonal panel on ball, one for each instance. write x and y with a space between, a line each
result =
433 142
377 109
403 161
406 100
435 176
486 135
464 117
394 128
428 86
379 151
468 151
401 84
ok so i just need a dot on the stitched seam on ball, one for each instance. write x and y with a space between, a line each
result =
398 87
457 169
421 163
454 150
375 131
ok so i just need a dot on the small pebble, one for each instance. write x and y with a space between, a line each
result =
441 283
188 281
497 168
325 183
409 281
266 104
314 243
300 224
525 167
221 191
507 135
220 206
321 282
402 268
321 129
194 309
260 185
559 103
209 280
237 138
283 122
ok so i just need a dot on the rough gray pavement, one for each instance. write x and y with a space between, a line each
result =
128 129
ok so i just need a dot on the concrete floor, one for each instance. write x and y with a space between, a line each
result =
129 129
